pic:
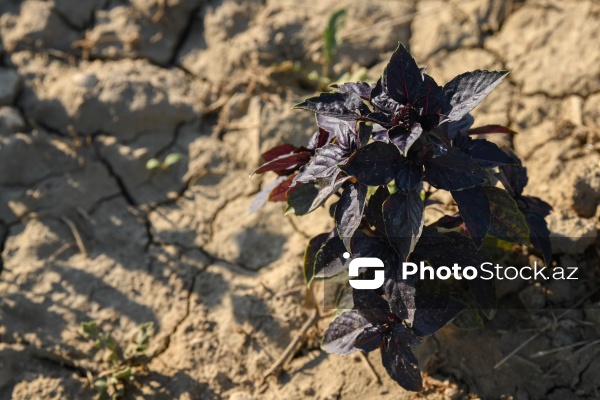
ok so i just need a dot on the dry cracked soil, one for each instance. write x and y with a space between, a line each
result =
90 90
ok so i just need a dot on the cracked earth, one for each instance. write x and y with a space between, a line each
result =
91 90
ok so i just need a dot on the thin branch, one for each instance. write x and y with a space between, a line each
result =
291 348
544 329
76 235
557 349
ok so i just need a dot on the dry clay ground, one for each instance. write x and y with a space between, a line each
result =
92 89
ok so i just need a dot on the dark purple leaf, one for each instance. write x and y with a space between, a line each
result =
374 164
362 89
310 254
434 312
380 119
449 221
469 89
507 222
485 153
433 100
403 216
409 172
401 365
452 247
306 197
404 80
346 137
439 147
370 339
339 338
450 129
324 164
329 260
319 139
403 138
345 106
374 212
371 305
474 209
364 134
537 206
535 209
380 98
380 134
483 130
343 131
404 334
366 245
279 193
454 171
285 164
539 235
430 122
349 212
513 177
431 244
400 296
327 123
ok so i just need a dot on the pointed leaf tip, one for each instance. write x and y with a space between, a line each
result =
469 89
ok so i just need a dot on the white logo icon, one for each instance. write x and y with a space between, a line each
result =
365 262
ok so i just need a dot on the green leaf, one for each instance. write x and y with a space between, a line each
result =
143 336
469 318
101 384
122 374
90 329
330 34
152 163
508 222
313 247
172 158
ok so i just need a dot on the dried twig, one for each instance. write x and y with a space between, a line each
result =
557 349
76 235
544 329
291 348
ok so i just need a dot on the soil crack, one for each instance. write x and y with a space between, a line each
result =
167 340
109 168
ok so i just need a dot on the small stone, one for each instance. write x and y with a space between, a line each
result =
85 80
586 193
9 86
